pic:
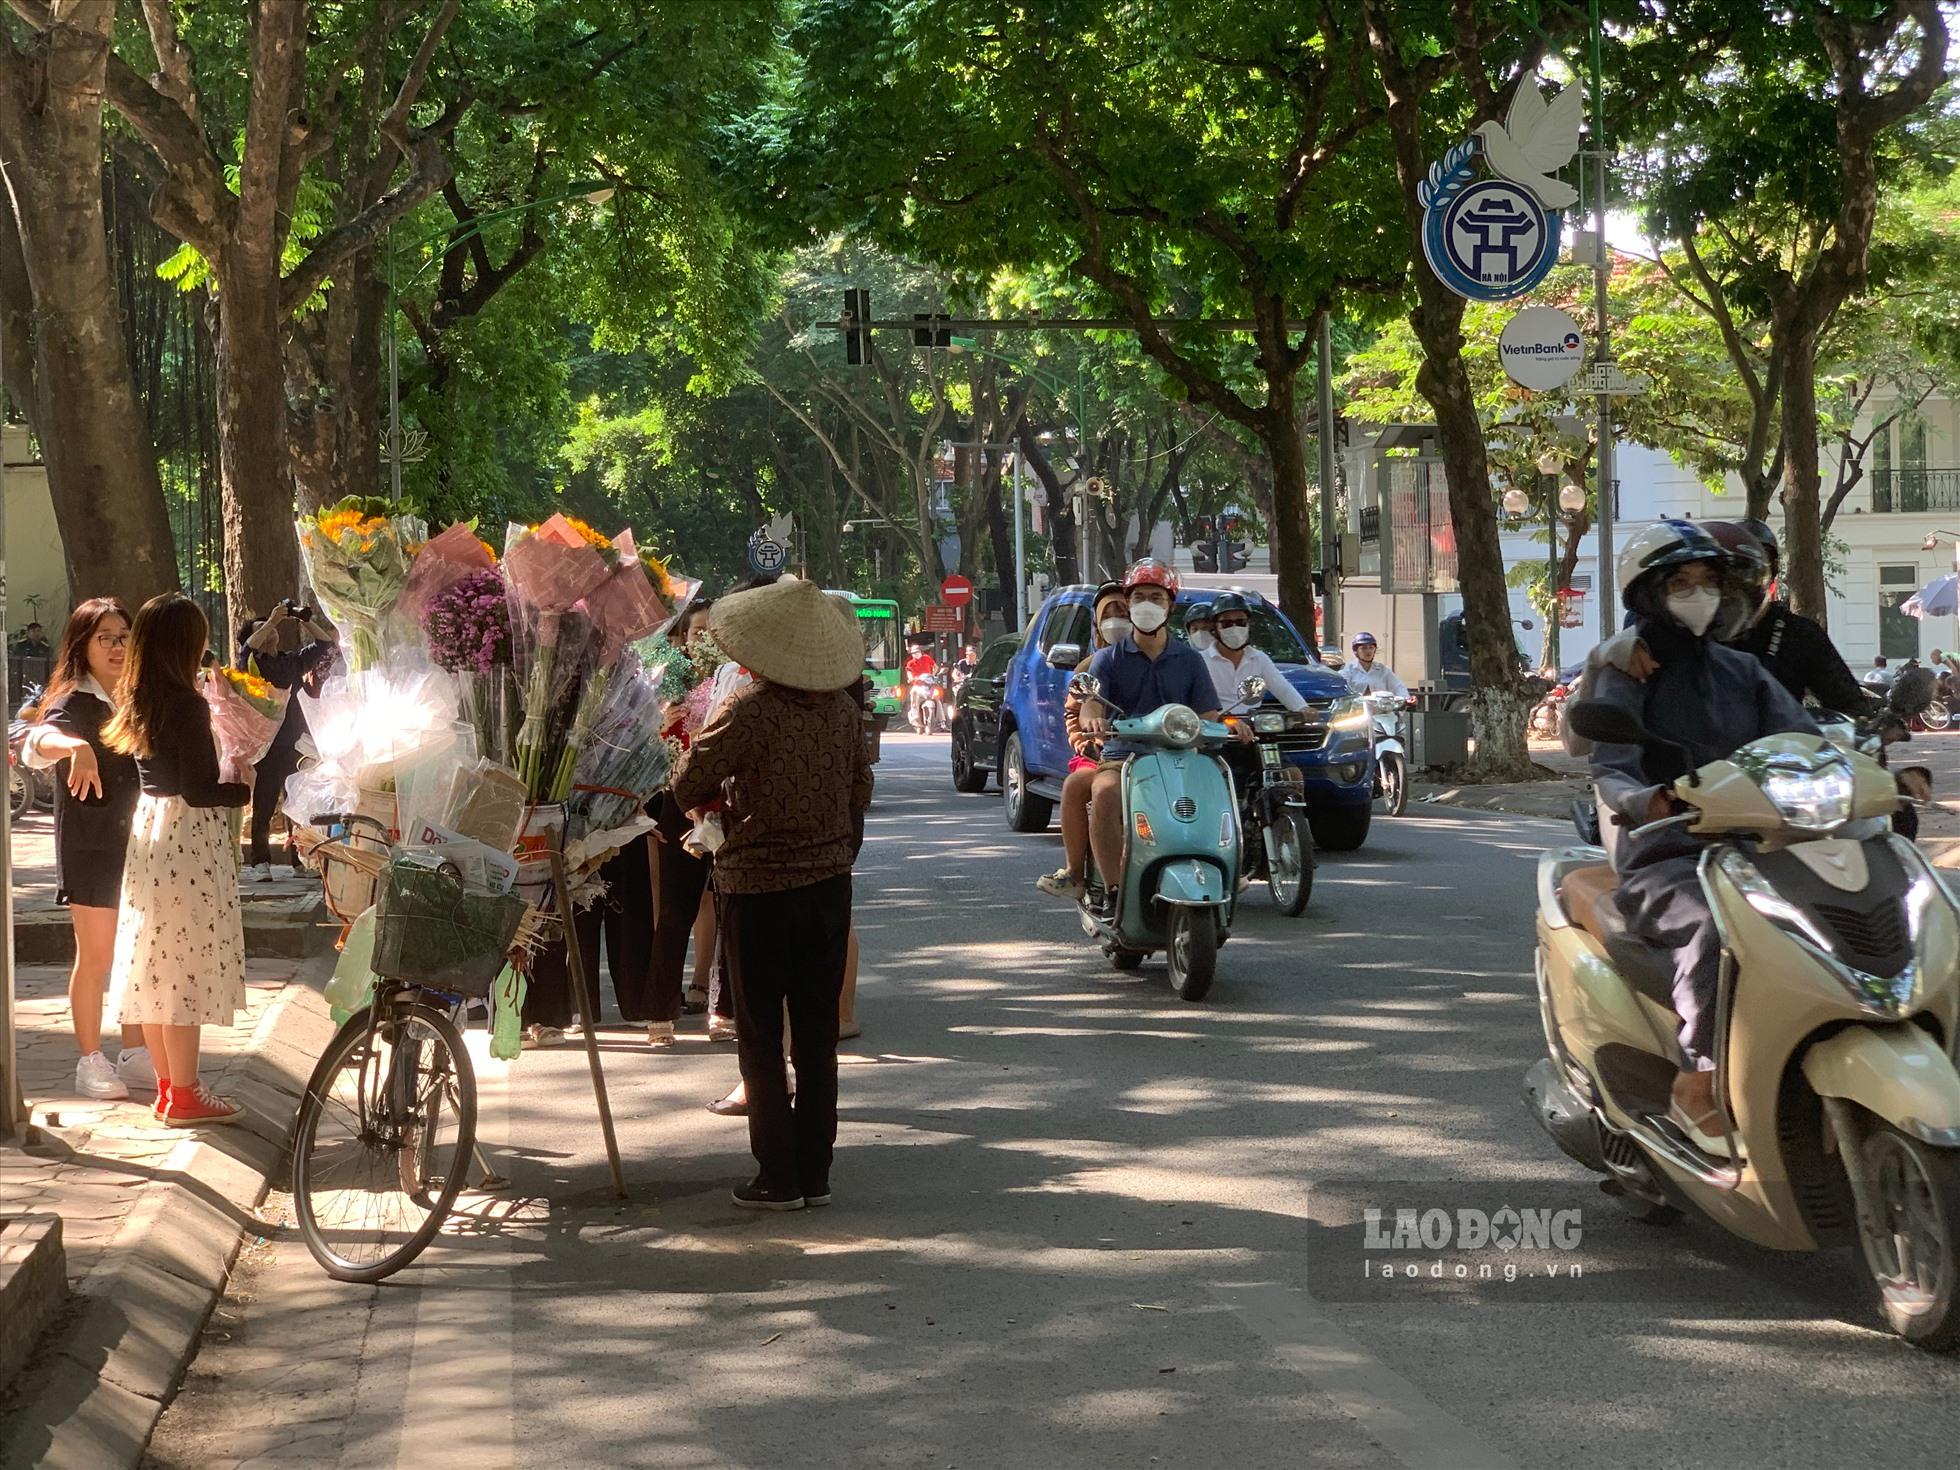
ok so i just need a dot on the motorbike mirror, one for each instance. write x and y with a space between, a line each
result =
1915 783
1252 689
1085 686
1913 691
1606 723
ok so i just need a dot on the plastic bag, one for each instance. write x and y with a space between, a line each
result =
507 1015
352 985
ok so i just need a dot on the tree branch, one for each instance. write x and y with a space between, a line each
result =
394 126
340 244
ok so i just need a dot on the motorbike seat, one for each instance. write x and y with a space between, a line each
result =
1591 899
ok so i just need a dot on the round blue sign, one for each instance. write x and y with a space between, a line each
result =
1490 240
766 557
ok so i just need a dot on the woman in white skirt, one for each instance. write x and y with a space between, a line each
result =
180 944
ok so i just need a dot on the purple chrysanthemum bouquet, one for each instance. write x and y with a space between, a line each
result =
468 628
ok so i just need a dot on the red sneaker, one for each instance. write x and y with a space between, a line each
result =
163 1097
190 1106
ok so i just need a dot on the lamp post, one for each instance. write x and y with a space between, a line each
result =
10 1096
594 192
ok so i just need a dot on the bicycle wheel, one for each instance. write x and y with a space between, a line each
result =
382 1142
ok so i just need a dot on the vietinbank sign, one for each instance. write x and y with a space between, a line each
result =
1541 347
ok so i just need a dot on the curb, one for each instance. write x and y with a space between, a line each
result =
286 928
1548 800
98 1390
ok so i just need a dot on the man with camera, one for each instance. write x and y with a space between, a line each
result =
293 649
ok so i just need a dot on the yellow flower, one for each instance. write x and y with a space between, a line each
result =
336 524
598 542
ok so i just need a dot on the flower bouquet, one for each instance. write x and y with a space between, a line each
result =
357 555
623 763
622 608
548 568
246 713
449 558
468 627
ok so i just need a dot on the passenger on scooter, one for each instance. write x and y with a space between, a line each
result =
1112 619
1365 676
1198 629
1710 700
1140 674
1235 659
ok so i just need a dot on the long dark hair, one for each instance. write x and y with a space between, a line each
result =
164 649
71 663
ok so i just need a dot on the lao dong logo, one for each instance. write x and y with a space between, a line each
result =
1506 1228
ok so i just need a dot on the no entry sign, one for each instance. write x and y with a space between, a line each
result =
956 591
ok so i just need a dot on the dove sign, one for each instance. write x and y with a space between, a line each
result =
1541 348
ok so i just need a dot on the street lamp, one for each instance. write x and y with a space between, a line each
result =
593 192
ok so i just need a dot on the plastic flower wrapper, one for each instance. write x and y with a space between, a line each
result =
361 725
622 608
624 762
671 667
708 661
447 559
551 697
357 555
467 624
549 568
246 713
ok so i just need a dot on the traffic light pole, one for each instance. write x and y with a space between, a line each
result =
1330 537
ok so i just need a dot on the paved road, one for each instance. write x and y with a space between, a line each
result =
1073 1226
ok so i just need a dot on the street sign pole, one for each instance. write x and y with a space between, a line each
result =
1330 543
1020 551
1602 271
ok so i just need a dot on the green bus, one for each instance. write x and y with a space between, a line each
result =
884 660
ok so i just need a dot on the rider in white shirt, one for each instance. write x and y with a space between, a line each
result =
1232 659
1365 676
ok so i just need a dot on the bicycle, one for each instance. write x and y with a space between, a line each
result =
387 1125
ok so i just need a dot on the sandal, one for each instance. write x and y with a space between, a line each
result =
720 1028
695 1001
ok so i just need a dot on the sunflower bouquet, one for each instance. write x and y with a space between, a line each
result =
623 607
549 569
357 554
246 713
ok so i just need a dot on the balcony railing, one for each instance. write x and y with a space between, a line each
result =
1907 491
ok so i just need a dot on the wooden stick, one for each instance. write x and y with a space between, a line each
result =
589 1011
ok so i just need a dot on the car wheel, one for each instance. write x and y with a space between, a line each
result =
1342 829
1026 812
967 777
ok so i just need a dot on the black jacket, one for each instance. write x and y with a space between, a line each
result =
1801 657
184 761
95 823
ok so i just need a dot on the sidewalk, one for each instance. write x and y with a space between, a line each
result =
151 1218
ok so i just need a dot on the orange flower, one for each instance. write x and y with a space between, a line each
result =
336 524
597 541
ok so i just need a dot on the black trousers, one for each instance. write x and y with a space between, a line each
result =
624 918
789 947
268 785
680 879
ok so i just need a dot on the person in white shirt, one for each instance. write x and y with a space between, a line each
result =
1365 676
1233 659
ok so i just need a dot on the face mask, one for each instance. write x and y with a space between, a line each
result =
1235 638
1148 617
1115 630
1695 610
1201 641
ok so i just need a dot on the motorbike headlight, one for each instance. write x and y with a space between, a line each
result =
1810 798
1269 724
1348 714
1182 725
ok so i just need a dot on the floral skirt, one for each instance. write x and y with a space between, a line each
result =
180 940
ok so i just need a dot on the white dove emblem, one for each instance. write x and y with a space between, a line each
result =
1538 136
780 530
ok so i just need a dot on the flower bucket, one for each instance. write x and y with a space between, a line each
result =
542 834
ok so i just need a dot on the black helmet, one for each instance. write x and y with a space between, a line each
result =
1765 538
1229 602
1200 612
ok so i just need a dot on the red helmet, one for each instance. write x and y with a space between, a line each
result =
1151 573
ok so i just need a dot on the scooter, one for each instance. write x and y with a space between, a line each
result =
1278 845
1837 1011
1180 851
928 700
1391 754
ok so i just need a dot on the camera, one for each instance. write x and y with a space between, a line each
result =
299 610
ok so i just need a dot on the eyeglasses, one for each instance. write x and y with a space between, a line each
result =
113 640
1228 621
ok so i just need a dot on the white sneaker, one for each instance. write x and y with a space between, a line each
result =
95 1076
258 872
136 1070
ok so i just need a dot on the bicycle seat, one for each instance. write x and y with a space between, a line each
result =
1591 899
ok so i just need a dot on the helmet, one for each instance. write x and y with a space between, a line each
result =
1104 593
1200 612
1360 638
1151 573
1226 602
1766 538
1654 551
1746 582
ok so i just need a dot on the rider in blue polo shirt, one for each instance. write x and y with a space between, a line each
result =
1139 674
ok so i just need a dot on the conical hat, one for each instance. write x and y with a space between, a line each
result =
791 633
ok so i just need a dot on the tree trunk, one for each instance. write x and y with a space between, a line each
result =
1061 518
261 553
1803 530
102 478
16 322
1292 527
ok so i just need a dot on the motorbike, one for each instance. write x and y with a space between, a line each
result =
1391 751
27 788
1837 1010
1908 698
1272 804
1181 846
927 704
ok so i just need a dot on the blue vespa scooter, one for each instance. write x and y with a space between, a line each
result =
1180 850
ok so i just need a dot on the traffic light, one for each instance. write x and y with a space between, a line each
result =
857 335
1236 554
1204 548
930 330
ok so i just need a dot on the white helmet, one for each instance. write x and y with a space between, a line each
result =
1654 551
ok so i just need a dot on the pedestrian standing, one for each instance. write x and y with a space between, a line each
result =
787 758
95 797
179 960
682 907
292 649
623 918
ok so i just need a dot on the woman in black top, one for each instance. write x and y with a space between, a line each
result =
180 943
93 802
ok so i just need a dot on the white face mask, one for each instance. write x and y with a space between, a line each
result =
1115 630
1695 610
1148 616
1235 638
1201 640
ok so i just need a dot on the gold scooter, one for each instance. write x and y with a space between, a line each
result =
1838 1014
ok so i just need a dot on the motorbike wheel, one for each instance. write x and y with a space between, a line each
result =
1395 785
20 791
1936 716
1192 950
1289 871
1913 1255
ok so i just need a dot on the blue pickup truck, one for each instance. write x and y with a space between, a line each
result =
1338 766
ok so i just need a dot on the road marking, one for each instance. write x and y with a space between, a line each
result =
1389 1408
461 1400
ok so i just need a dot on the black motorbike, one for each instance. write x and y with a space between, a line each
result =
1277 840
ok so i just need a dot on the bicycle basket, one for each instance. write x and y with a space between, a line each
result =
429 932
